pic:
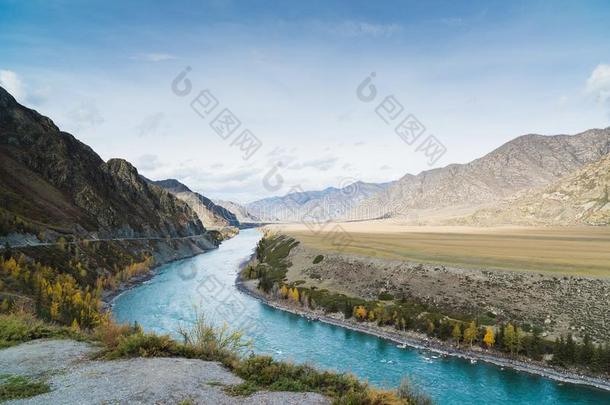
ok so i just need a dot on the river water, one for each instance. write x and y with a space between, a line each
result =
207 282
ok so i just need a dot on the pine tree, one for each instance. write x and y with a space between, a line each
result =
456 333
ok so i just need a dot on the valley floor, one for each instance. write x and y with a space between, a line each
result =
574 251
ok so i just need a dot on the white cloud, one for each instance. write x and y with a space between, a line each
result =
598 84
11 82
153 57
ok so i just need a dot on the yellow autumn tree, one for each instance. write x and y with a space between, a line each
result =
294 295
284 292
489 339
360 312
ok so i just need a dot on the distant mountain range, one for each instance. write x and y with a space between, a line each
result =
329 204
51 182
210 214
245 217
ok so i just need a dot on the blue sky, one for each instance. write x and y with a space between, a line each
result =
476 74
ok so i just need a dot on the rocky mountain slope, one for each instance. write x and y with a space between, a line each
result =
528 161
328 204
50 181
210 214
580 198
242 214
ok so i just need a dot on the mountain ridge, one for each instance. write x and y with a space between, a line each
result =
528 161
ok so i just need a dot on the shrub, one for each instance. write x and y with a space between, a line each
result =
144 345
110 333
318 259
22 327
213 343
386 296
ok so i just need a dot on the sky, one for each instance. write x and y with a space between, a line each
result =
466 77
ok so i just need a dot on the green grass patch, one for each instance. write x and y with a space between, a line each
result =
17 387
20 328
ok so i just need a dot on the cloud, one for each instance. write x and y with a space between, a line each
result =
85 115
153 57
598 84
352 29
151 125
11 82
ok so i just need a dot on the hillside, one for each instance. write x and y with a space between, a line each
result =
580 198
328 204
210 214
525 162
74 230
242 214
51 181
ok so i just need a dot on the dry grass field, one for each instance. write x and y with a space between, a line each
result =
578 251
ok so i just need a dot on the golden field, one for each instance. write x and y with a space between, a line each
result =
582 251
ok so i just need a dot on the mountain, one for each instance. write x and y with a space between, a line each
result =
328 204
51 182
529 161
580 198
242 214
210 214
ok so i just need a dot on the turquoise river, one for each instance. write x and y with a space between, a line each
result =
208 282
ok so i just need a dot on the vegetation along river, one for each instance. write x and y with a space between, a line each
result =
208 282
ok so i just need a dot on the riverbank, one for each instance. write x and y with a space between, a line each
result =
421 342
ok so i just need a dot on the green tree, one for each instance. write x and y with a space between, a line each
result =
470 334
456 333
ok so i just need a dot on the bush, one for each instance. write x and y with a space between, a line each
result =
386 296
144 345
110 333
318 259
22 327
